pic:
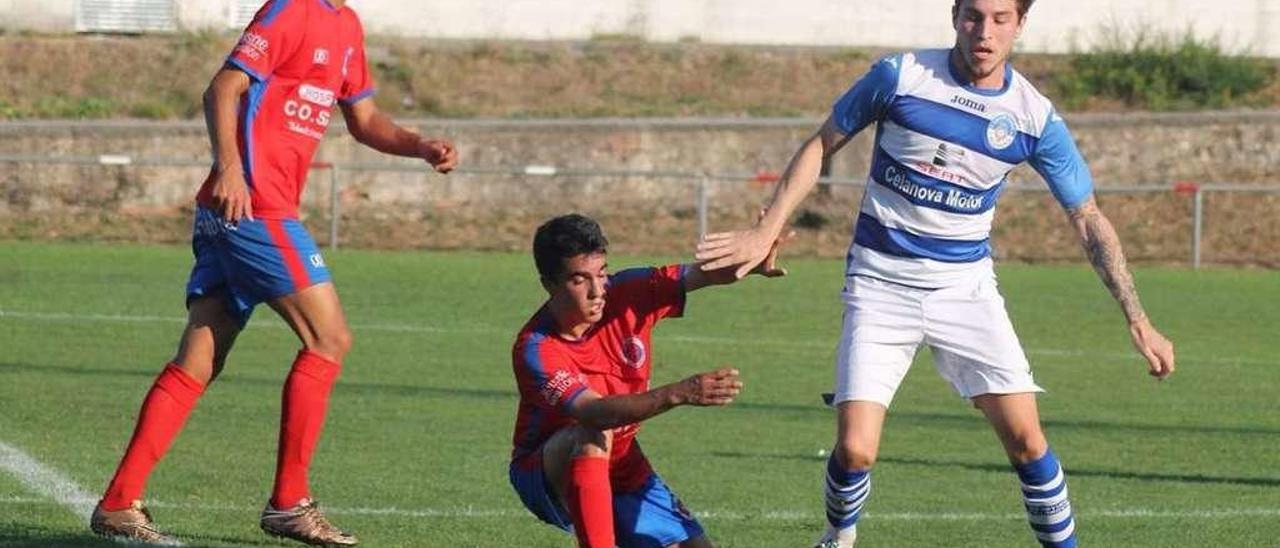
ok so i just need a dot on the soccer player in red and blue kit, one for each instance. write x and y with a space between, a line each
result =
266 109
582 365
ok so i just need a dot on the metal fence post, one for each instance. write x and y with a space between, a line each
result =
1197 227
702 207
702 179
334 213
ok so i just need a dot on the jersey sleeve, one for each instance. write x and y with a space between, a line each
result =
656 293
549 377
1057 159
868 100
271 38
357 84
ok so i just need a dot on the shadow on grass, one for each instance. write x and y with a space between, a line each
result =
33 540
210 540
24 535
1006 469
918 418
19 535
1087 472
230 377
818 411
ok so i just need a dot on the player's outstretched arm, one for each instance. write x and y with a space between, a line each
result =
1103 248
744 249
371 127
221 111
717 387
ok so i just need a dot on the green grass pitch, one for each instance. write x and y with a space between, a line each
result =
416 446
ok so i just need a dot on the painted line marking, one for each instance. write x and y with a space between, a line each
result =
405 328
46 481
726 515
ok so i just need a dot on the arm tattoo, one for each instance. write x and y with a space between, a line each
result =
1103 248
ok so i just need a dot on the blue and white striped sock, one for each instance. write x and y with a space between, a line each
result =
846 492
1044 491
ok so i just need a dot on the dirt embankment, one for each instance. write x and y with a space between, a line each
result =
162 77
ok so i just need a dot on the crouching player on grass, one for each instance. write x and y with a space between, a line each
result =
582 364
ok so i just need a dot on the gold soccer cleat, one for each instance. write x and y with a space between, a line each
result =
133 525
304 523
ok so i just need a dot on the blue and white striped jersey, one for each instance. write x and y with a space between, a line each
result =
942 156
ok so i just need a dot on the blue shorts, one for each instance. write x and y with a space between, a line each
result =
252 261
649 517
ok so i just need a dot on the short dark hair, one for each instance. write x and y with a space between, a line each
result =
564 237
1023 7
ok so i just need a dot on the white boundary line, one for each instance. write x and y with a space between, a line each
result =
406 328
46 481
466 512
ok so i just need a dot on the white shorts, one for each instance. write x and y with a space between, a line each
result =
966 326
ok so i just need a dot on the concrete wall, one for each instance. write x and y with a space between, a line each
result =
1147 149
483 210
1055 26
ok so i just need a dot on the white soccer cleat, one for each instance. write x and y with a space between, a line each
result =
838 538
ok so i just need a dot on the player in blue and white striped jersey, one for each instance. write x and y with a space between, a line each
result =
950 126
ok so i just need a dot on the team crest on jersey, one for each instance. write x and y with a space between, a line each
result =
320 56
1001 131
634 352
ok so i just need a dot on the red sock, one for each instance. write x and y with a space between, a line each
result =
164 411
305 401
590 500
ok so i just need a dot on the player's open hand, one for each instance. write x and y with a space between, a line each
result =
719 252
1154 347
231 194
768 267
744 250
717 387
440 153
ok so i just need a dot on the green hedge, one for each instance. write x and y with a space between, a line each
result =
1162 72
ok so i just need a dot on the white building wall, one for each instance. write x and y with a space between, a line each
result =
1054 26
513 19
205 13
43 16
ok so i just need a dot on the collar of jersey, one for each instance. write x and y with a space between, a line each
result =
547 324
1008 80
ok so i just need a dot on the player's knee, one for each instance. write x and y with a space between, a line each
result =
200 370
855 456
1027 447
590 442
334 342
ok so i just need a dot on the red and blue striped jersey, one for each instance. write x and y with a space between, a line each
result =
612 358
303 58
